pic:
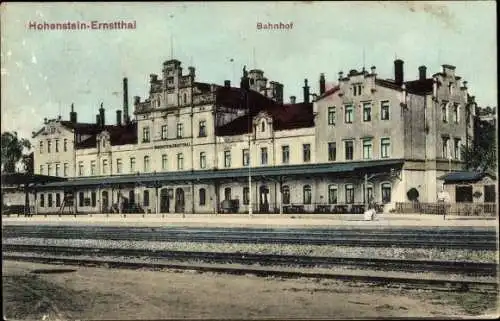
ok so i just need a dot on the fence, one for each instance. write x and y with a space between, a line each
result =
460 209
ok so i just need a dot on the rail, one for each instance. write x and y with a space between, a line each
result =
458 209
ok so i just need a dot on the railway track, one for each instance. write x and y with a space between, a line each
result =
451 267
399 282
448 239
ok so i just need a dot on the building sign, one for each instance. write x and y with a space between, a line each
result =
173 145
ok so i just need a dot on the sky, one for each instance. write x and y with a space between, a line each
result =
43 72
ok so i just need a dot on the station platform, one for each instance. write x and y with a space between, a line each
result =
257 220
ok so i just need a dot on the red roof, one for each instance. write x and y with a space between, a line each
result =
119 135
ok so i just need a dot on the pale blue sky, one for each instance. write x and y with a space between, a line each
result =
43 72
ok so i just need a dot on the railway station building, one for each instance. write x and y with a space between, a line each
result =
195 147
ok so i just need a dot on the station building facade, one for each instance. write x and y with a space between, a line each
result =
194 147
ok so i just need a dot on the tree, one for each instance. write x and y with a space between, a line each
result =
481 155
12 150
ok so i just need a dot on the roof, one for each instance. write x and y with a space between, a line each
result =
420 86
329 92
456 177
352 169
23 179
234 97
119 135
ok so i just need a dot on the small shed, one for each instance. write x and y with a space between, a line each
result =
470 187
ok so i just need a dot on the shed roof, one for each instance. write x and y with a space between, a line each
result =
463 176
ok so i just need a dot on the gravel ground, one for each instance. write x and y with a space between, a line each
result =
100 293
280 249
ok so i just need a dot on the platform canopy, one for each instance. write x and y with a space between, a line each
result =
465 177
11 179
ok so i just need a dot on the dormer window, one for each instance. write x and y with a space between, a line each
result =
357 89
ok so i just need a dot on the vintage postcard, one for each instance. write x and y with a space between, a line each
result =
240 160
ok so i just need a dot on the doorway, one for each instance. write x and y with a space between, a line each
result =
105 202
263 199
179 200
164 201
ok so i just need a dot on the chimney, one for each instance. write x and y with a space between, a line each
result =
227 83
373 70
306 91
119 117
321 83
422 73
72 114
153 78
191 71
398 71
292 99
101 116
137 100
45 121
126 118
98 120
245 82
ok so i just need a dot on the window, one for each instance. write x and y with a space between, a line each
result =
456 148
385 146
180 131
104 142
384 110
57 145
58 167
42 200
456 114
246 196
263 155
246 157
49 144
41 147
41 169
164 132
202 196
49 200
203 129
93 168
49 169
80 168
332 194
80 199
119 167
450 88
368 192
145 199
164 162
367 111
180 161
286 194
146 164
306 152
227 158
349 114
331 115
444 112
307 196
104 167
93 198
349 149
65 145
185 98
227 193
349 194
357 89
203 160
132 164
263 126
58 200
65 169
445 147
367 149
332 151
145 135
285 154
386 193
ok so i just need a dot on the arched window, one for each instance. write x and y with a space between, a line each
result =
386 191
332 194
146 164
307 194
263 126
349 194
202 196
286 194
185 98
368 193
145 200
227 193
